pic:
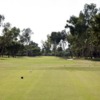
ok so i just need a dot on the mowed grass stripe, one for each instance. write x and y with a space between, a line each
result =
16 88
49 78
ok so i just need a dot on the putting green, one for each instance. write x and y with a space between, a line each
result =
49 78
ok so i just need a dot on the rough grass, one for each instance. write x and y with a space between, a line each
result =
49 78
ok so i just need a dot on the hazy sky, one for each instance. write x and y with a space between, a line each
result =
42 16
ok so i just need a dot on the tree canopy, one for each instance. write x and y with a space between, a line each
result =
14 41
84 37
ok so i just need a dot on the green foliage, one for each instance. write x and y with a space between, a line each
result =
26 35
13 43
46 46
54 40
84 39
32 49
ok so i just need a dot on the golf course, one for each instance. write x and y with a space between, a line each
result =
49 78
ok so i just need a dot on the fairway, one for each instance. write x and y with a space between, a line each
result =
49 78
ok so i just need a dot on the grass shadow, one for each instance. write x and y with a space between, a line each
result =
94 59
69 58
3 59
70 68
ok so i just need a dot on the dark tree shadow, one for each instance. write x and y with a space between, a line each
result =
3 59
94 59
70 68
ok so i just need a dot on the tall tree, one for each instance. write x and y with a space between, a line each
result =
5 37
46 46
26 35
55 39
81 35
32 49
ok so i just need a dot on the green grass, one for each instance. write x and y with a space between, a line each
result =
49 78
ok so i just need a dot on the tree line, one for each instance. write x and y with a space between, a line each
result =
16 42
83 36
55 44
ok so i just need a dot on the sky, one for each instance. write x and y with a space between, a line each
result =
42 16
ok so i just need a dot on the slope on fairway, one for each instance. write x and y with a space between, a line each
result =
49 78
